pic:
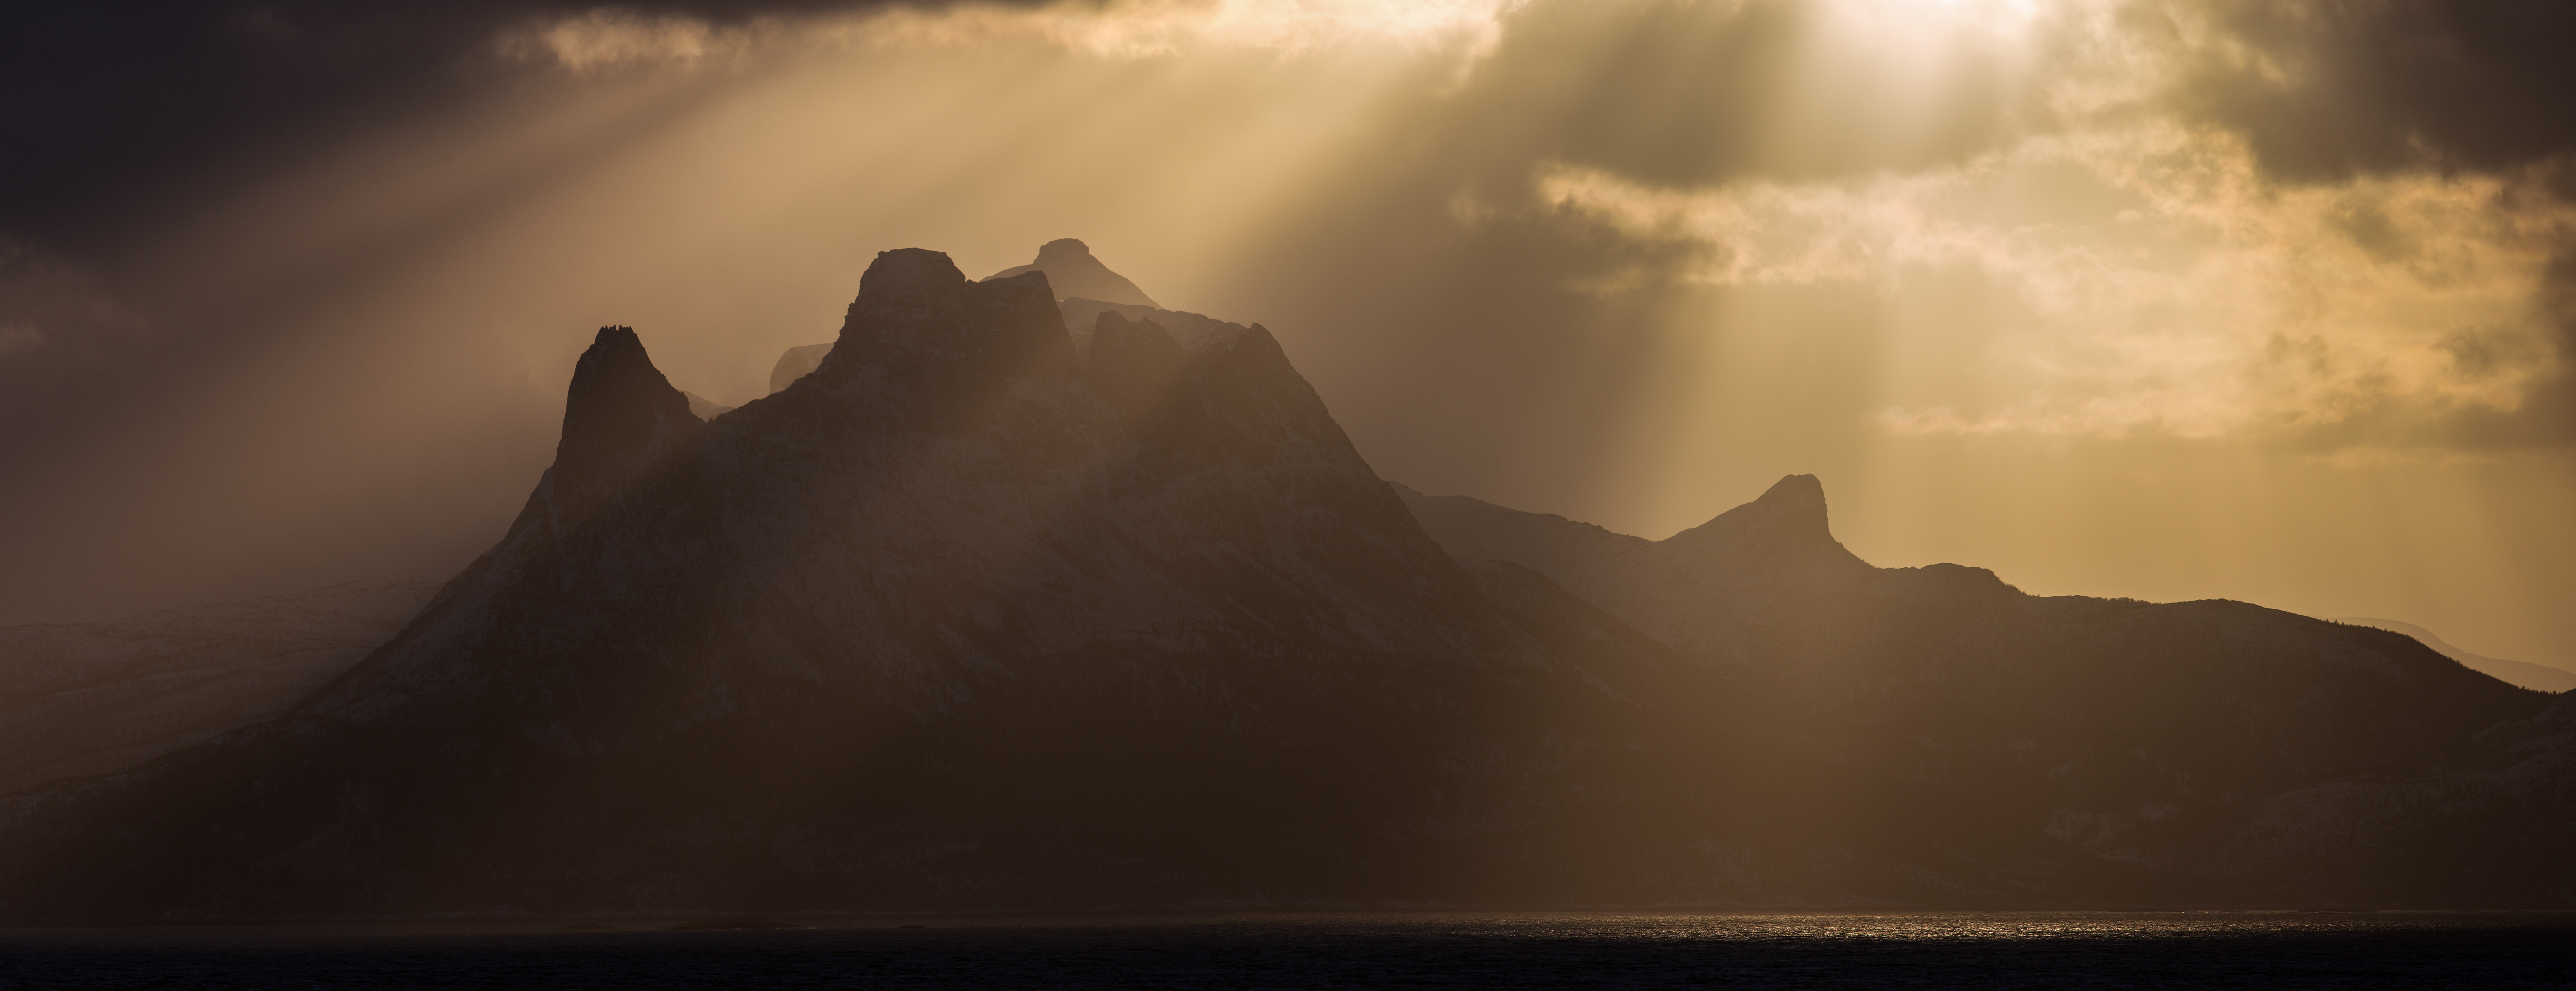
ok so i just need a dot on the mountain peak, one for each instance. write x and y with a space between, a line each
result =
1065 249
1794 507
1074 273
1800 489
619 414
917 318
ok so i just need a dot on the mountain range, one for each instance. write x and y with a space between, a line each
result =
1020 599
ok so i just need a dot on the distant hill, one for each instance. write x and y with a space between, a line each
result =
2540 677
2134 751
1073 273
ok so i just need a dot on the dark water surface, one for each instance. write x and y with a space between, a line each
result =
2470 950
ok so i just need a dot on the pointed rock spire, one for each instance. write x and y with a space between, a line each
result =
1796 504
620 415
1791 511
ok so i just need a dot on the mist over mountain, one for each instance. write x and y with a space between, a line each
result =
2539 677
1075 274
80 699
1025 601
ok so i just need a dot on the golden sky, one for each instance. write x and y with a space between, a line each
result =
2168 300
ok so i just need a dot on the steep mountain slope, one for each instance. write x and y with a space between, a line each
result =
2538 677
2016 744
957 620
93 698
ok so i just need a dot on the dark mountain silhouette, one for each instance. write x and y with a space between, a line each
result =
1084 285
1075 274
955 621
2137 752
984 613
2539 677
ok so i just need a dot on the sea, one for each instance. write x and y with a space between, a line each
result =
1912 950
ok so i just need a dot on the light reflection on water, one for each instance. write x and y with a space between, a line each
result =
1341 950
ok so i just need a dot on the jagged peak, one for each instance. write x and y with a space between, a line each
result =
619 413
1792 508
917 317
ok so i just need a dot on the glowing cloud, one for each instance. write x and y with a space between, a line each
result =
2169 289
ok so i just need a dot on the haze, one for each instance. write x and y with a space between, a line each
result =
2167 300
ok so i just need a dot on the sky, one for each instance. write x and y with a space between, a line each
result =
2165 299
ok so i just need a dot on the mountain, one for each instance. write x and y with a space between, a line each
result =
2539 677
1075 274
1704 590
958 620
2496 822
2004 746
1084 285
991 611
93 698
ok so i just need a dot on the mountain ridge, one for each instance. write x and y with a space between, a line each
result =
2540 677
1023 602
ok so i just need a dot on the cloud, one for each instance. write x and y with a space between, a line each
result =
2163 285
607 38
1122 29
2323 89
118 107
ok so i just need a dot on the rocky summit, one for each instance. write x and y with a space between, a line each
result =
1017 600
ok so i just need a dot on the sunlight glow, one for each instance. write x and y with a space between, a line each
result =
2166 289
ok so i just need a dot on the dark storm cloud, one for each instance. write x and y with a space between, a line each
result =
2323 89
116 107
